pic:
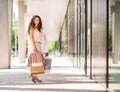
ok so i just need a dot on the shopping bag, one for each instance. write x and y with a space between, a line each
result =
37 63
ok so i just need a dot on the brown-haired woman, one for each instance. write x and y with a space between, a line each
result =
35 34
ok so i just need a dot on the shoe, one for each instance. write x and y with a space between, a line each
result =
38 79
34 81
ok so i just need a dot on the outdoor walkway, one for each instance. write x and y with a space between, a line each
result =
61 77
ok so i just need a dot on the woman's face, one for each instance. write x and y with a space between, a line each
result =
36 21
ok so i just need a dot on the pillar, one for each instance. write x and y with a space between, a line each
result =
5 32
21 33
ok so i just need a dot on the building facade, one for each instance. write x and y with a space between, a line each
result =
81 26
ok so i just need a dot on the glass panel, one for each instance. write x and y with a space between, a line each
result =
88 36
99 49
82 31
114 45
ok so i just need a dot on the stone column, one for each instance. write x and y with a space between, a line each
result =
5 32
21 33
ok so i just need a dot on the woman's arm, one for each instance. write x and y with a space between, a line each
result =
32 38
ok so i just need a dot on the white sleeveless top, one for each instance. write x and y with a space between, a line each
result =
37 36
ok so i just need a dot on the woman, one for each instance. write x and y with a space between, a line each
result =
35 34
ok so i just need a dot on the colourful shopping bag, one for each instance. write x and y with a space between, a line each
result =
37 63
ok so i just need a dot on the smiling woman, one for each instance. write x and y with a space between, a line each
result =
35 32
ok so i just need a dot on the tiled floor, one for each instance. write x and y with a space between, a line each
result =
61 77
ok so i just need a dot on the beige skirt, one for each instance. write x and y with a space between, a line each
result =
31 48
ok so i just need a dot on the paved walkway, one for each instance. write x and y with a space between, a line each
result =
60 78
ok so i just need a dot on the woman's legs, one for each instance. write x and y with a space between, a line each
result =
34 77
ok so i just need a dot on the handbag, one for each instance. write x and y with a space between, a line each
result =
37 63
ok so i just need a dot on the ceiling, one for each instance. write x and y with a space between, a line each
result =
52 13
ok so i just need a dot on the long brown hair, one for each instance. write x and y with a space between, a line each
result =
32 24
